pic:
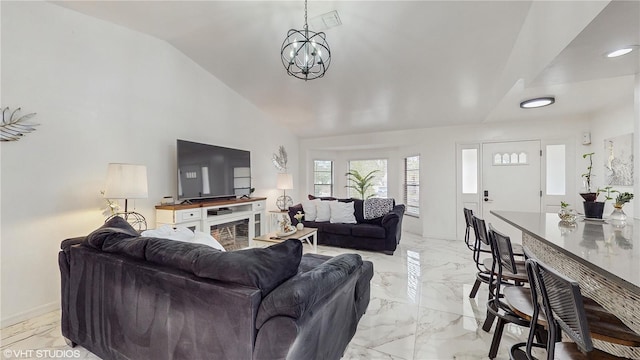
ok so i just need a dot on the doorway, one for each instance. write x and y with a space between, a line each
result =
511 181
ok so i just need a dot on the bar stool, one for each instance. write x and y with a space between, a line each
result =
486 266
468 219
577 315
511 275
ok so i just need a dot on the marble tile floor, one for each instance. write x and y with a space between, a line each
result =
419 310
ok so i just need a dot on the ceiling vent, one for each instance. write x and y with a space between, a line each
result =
325 21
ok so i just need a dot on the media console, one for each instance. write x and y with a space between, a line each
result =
210 216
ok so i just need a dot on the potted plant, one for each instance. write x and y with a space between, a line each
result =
592 209
618 218
566 215
588 195
360 183
299 215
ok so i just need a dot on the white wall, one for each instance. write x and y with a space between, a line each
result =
607 124
437 149
636 144
341 158
102 93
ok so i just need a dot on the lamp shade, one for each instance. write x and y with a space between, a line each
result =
126 181
285 182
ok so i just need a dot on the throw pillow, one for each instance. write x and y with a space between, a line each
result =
115 229
309 209
342 213
324 211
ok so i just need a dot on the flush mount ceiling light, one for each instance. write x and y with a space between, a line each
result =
305 54
620 52
537 102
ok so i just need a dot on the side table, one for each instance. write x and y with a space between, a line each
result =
308 235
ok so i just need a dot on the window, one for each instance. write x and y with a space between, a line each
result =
322 178
470 170
378 184
556 176
412 185
510 159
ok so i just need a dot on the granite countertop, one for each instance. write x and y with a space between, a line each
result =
613 252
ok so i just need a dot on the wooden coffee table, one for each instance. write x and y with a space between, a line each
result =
308 235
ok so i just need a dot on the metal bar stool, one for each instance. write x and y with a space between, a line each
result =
486 265
559 300
468 219
511 275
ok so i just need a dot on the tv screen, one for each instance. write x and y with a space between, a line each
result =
209 171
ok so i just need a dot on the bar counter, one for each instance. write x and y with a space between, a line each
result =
603 259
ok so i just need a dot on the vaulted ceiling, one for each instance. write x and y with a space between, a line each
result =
404 64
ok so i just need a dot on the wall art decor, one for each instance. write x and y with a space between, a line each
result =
13 126
280 159
618 160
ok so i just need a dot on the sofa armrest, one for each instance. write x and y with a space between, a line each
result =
392 223
64 262
393 217
296 296
314 315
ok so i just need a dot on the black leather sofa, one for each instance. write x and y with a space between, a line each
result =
380 234
130 297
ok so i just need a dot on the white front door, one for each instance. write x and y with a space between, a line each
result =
510 181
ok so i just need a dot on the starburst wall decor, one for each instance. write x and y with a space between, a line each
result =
14 127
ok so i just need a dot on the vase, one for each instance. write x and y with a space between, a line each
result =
567 215
300 226
593 209
618 218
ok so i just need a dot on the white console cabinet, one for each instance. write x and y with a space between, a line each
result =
207 215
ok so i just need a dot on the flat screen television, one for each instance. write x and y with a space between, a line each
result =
209 171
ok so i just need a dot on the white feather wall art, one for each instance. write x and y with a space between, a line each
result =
13 126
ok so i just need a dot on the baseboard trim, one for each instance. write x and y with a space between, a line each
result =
26 315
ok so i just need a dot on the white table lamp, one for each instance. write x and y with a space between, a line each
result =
127 181
284 183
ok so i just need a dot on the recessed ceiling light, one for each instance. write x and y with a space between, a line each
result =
619 52
537 102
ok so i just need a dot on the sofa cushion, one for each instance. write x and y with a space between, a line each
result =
311 197
264 269
338 229
342 212
318 225
368 230
177 254
134 247
301 292
323 211
328 198
115 229
309 209
310 261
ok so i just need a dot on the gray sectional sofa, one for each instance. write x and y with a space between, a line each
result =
130 297
379 234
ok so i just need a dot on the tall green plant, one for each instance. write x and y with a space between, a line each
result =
587 176
360 183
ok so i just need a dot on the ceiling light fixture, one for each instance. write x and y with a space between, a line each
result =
305 54
537 102
620 52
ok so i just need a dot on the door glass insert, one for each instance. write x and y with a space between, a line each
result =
469 171
556 170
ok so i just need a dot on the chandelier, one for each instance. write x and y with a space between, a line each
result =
305 54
